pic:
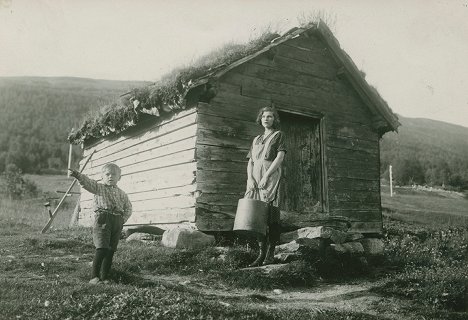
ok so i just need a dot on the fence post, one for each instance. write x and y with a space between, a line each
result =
391 180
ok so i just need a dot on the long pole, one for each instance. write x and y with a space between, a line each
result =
49 223
391 180
69 159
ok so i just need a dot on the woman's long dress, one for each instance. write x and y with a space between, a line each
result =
273 144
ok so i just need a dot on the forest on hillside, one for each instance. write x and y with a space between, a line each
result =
426 152
38 113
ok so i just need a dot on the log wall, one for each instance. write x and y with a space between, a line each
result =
300 78
158 170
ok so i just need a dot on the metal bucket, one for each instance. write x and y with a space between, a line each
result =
251 217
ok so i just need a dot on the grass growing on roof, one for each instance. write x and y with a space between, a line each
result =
166 95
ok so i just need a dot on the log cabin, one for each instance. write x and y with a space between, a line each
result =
184 160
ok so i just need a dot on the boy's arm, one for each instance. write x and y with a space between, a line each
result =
127 210
87 183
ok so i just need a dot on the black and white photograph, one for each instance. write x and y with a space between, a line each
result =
234 159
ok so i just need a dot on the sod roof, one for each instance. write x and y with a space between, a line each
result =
168 95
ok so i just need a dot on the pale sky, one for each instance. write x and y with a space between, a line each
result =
415 52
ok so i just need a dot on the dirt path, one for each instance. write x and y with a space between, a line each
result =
350 297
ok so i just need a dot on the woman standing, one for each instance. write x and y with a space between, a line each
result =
263 178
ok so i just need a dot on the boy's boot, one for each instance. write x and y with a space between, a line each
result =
261 254
97 263
270 255
106 265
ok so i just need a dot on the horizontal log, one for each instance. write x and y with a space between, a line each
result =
343 183
227 210
221 139
227 125
211 221
216 153
359 173
178 120
353 205
350 195
220 198
351 143
209 176
226 188
267 71
213 165
371 156
358 214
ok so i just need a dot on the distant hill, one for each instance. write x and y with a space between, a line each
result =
37 114
426 151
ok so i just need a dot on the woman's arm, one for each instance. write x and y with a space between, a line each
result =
274 165
250 181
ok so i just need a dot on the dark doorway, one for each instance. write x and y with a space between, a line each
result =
301 189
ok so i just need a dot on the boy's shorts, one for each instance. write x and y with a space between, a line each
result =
106 230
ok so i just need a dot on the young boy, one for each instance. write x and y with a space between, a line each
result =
112 209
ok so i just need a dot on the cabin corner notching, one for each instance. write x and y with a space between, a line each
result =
190 166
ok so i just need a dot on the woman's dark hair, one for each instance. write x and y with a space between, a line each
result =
276 122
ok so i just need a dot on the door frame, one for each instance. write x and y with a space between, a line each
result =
323 159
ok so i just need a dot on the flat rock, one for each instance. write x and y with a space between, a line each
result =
140 236
334 235
142 229
286 257
183 238
354 248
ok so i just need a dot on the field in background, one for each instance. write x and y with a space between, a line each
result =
434 208
32 212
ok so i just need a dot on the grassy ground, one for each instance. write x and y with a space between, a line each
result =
44 276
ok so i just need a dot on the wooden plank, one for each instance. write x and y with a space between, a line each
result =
136 195
162 216
226 188
362 173
341 183
221 139
220 199
292 96
222 166
227 210
370 156
353 205
162 203
231 127
358 215
176 121
179 140
351 195
211 221
167 160
352 143
267 71
216 153
218 176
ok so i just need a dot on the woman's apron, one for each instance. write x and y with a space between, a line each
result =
270 191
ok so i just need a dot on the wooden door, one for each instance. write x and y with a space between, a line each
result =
301 187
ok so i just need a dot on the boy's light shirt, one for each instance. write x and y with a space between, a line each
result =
107 197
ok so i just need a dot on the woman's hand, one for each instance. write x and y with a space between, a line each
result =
251 184
263 182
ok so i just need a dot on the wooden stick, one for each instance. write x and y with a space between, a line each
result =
49 223
69 159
